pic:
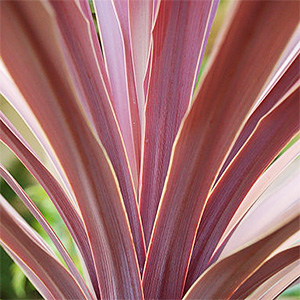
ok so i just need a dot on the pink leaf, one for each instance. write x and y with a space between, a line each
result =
90 83
277 283
116 49
253 41
45 225
32 41
69 214
178 44
59 282
271 135
288 79
267 270
222 279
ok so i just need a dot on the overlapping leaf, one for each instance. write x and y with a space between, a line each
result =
252 43
179 37
117 119
18 238
34 43
228 274
90 83
273 132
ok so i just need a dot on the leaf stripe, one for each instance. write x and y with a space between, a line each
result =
245 58
73 221
45 225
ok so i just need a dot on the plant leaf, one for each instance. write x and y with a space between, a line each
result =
97 99
267 270
12 94
140 25
223 278
256 191
288 79
58 280
122 11
45 225
277 283
271 135
32 42
118 64
284 187
178 45
69 214
237 72
85 7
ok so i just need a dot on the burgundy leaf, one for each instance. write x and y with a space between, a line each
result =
222 279
32 41
76 31
267 270
14 236
271 135
253 41
69 214
179 37
45 225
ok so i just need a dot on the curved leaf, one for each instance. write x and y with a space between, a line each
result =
253 42
267 270
58 280
277 283
263 182
45 225
288 79
179 37
224 277
32 41
115 51
76 33
69 214
271 135
271 201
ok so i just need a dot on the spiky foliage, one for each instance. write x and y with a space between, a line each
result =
168 193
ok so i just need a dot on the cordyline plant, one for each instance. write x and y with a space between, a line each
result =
168 192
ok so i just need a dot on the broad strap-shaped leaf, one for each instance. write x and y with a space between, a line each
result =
122 11
288 79
32 41
58 280
85 7
33 278
46 226
271 135
77 36
69 214
118 63
252 43
140 14
267 270
12 94
264 181
285 187
222 279
179 36
277 283
288 55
